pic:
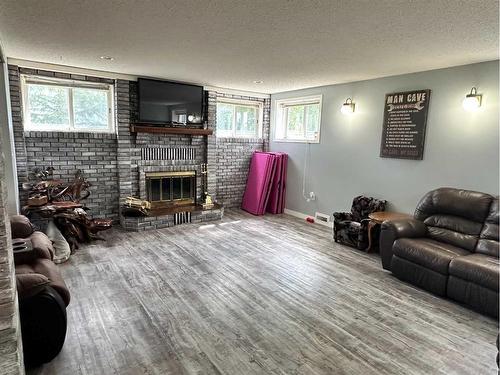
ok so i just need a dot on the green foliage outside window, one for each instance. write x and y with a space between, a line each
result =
302 121
246 121
60 107
224 118
90 108
48 105
235 120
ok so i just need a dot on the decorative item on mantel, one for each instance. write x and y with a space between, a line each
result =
63 206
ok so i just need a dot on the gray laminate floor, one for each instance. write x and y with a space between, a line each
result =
256 295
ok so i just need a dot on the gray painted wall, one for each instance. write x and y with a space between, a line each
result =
461 148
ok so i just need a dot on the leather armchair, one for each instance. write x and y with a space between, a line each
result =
450 247
42 292
351 228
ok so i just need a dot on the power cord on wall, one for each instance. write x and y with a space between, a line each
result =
311 196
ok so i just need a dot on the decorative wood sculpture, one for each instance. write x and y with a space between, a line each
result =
75 191
62 203
76 227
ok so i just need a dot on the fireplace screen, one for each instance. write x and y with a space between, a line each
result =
171 187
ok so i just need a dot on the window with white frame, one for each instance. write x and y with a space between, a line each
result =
62 105
298 119
239 118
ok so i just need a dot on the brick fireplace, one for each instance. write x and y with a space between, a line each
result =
147 154
158 167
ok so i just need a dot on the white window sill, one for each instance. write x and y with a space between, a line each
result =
86 131
240 139
296 140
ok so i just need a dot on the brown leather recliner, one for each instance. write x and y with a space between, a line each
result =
450 248
43 295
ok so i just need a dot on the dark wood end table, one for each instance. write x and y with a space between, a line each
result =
378 218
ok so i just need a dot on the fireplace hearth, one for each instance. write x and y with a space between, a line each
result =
174 192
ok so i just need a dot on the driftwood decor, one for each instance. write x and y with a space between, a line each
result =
55 199
57 190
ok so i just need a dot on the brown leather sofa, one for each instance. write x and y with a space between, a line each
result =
450 248
42 292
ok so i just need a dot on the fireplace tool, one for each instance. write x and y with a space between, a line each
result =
207 201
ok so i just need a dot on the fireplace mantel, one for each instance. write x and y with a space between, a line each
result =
145 128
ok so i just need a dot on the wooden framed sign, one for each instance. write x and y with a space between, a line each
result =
405 119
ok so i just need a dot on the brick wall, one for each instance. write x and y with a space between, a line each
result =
94 153
212 167
122 107
11 360
233 161
113 163
232 155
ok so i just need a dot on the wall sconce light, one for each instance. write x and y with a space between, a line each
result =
348 107
472 101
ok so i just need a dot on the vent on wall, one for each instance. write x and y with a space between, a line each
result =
168 153
182 218
323 219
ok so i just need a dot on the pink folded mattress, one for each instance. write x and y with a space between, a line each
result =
275 204
260 174
265 183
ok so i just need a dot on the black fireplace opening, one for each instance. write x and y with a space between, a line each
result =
171 188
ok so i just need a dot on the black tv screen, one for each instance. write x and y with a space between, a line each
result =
163 102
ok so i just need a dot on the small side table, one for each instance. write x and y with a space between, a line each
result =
378 218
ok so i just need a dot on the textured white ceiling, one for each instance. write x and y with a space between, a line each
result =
287 44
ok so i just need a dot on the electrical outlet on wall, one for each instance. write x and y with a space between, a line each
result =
312 196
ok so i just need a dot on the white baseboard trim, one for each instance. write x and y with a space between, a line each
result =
300 215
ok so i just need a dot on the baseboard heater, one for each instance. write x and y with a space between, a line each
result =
182 218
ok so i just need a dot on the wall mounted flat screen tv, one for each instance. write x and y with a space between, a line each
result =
164 102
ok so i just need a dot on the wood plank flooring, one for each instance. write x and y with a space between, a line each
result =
256 295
